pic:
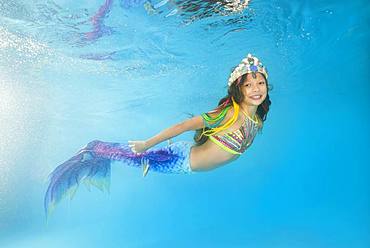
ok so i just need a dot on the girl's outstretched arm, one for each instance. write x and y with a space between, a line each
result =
173 131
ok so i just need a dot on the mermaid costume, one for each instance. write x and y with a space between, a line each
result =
92 164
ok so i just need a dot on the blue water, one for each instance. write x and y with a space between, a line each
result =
66 79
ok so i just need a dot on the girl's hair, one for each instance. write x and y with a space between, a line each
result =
234 98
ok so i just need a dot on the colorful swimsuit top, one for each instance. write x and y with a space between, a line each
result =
236 142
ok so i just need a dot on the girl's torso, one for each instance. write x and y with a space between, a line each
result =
211 155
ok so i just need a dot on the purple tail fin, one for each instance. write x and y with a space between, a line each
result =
84 167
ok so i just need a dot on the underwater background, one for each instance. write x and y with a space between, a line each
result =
118 70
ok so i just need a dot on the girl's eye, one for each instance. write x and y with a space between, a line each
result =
262 82
247 85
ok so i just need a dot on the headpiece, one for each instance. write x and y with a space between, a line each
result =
247 65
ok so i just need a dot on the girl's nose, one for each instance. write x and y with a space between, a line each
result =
255 88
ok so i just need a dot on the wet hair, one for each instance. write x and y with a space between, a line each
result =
234 91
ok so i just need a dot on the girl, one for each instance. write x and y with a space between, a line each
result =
221 136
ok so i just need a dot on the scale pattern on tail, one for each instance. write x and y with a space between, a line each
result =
92 166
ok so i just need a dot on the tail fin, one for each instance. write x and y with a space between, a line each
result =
84 167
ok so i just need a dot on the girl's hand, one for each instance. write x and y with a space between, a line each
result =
137 146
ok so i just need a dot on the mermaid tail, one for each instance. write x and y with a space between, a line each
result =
92 166
85 167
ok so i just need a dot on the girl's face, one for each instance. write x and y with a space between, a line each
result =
254 89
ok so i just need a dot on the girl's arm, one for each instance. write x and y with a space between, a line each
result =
175 130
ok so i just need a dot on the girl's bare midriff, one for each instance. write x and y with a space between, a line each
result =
209 156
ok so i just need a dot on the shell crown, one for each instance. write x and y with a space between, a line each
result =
247 65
